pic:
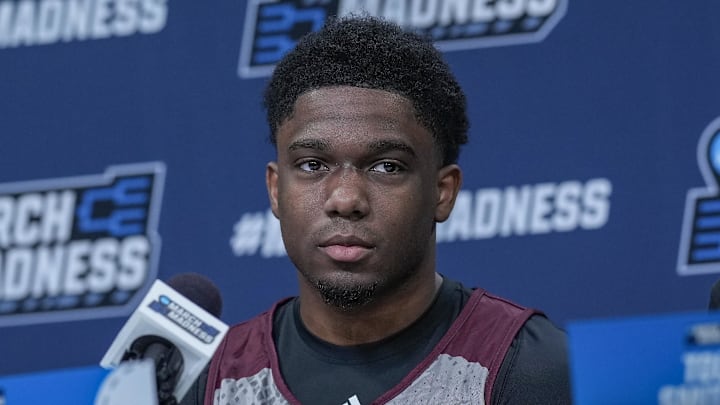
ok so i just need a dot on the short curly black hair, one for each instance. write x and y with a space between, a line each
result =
369 52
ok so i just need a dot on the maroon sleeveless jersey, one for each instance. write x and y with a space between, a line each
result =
461 368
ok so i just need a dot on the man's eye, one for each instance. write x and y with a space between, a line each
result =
387 167
311 166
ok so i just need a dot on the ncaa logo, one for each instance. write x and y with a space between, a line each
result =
79 247
272 27
700 241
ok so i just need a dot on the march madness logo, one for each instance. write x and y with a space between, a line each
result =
700 240
79 247
183 318
272 27
45 22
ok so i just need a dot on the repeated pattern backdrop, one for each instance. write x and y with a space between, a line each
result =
133 147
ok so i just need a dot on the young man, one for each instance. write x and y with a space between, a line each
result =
368 120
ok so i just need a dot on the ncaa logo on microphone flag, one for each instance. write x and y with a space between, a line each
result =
700 241
272 27
79 247
185 319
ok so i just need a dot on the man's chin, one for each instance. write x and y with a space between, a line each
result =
345 294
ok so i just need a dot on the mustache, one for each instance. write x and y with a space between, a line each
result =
338 226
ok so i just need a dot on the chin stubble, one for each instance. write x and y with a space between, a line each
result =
346 298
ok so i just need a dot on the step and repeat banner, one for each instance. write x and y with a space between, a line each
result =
133 147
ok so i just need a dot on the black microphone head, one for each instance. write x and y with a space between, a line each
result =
715 296
198 289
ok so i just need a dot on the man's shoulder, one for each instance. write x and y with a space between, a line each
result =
542 338
535 369
261 323
247 347
252 338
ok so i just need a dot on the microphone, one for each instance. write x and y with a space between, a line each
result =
198 289
715 297
176 327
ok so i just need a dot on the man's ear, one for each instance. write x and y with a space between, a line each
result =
448 183
271 179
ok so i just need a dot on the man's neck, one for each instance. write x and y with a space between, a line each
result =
381 318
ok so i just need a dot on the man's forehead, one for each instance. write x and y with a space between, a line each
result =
347 107
340 116
327 96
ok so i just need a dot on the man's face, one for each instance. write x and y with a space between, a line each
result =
357 189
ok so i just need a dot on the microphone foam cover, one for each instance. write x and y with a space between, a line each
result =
198 289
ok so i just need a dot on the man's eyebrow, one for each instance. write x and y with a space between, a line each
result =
309 143
390 145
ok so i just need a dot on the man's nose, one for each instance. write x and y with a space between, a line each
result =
347 194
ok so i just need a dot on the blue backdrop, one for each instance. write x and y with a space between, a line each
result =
133 146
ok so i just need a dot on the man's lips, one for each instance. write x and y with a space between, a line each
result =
346 248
